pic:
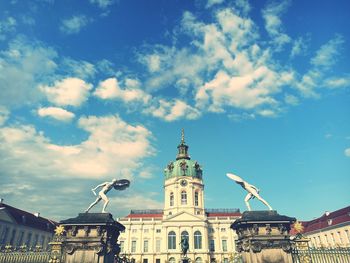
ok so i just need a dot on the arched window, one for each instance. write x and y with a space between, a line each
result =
171 199
171 240
196 198
184 234
198 260
197 240
183 197
171 260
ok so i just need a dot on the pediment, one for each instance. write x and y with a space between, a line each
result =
184 216
5 216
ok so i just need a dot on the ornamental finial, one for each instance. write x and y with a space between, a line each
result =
182 136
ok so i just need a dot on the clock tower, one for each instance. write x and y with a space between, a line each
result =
183 184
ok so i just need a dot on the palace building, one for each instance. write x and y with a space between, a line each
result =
155 235
331 230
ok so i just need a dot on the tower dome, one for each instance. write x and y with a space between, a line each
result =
183 165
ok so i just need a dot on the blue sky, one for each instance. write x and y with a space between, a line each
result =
98 89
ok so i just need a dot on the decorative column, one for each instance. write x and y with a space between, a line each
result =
88 238
263 236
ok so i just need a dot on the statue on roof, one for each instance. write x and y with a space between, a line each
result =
106 187
253 192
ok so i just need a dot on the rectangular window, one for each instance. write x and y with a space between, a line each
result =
42 241
13 235
121 246
36 237
158 230
145 230
29 239
145 246
20 239
223 229
340 238
211 230
212 245
225 260
158 245
145 260
224 245
157 260
4 235
347 235
133 230
133 246
333 240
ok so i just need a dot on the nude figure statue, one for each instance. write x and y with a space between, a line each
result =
106 187
253 192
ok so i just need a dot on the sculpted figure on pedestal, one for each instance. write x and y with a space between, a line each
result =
253 192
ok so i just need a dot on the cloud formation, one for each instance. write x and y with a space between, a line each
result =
56 113
74 24
111 89
67 92
112 147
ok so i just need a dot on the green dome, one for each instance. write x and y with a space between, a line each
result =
183 166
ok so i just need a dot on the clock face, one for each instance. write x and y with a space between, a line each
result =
183 182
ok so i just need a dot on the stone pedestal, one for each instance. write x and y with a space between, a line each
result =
263 237
88 238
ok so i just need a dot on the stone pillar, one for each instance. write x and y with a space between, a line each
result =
263 237
88 238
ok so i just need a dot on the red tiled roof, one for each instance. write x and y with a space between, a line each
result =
223 214
28 219
327 220
144 215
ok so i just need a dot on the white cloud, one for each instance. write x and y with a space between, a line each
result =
347 152
173 110
317 76
291 99
112 147
69 91
4 114
103 3
56 113
78 68
7 25
334 82
299 47
210 3
328 54
22 66
110 89
273 24
74 24
246 92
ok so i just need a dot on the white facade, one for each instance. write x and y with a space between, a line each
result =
155 235
18 228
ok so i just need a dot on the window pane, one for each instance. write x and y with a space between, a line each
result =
224 245
171 240
212 245
197 240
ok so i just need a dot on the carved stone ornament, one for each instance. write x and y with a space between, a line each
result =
282 229
286 247
184 166
170 166
268 229
246 246
256 247
255 229
74 231
87 230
